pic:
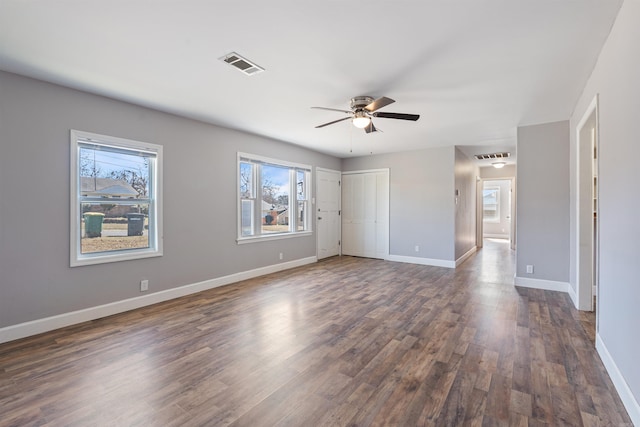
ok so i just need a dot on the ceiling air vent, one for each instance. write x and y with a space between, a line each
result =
492 156
242 64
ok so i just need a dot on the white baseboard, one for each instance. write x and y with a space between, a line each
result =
547 285
573 295
464 257
47 324
422 261
628 400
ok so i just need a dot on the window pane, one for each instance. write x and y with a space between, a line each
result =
246 180
275 199
110 227
302 215
301 187
247 217
113 174
490 201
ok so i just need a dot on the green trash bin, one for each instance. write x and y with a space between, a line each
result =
93 224
135 224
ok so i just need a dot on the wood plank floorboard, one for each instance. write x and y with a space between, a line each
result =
343 342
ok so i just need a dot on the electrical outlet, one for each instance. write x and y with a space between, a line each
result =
529 269
144 285
281 256
417 248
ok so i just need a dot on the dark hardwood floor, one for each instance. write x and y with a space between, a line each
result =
344 342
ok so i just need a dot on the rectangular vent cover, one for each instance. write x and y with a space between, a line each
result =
242 64
492 156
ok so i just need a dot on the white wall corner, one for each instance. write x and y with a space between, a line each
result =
422 261
47 324
464 257
547 285
628 399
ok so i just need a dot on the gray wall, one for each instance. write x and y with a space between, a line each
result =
199 185
421 200
465 172
615 80
543 201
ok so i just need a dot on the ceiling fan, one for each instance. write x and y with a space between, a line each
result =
363 109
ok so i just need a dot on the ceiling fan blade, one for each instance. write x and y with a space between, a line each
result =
332 109
370 128
379 103
400 116
335 121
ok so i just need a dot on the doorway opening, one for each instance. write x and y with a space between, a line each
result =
496 209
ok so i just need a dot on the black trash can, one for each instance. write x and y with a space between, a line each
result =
135 224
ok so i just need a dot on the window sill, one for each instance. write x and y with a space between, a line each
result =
243 240
101 258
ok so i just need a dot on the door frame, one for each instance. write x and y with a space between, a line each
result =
315 208
584 217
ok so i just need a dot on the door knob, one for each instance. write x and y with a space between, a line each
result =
319 217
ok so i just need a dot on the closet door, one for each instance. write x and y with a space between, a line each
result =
365 214
382 215
351 200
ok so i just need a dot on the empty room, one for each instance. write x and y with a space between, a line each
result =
413 213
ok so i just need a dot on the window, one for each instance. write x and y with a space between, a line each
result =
116 209
273 198
491 204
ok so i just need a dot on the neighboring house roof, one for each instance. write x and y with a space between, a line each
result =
268 207
106 187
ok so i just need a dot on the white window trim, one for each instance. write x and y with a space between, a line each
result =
292 197
155 233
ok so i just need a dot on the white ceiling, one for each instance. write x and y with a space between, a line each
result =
474 70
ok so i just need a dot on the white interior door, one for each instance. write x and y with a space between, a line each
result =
365 214
586 259
328 212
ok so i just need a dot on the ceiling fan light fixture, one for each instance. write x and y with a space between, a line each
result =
498 165
361 120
